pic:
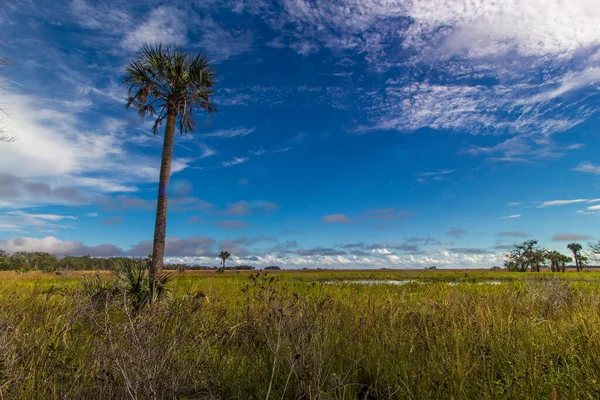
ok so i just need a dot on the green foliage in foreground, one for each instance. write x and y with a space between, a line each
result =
290 335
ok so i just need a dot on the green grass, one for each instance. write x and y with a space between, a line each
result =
290 335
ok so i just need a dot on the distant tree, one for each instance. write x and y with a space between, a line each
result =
25 261
272 268
167 83
4 260
224 255
524 256
594 249
580 260
557 261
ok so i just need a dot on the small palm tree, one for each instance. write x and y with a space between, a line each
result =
167 83
224 255
576 249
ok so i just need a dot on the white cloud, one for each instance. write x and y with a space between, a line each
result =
229 133
588 167
472 28
235 161
164 25
554 203
383 258
438 173
511 216
58 147
104 17
51 244
22 221
537 49
221 44
486 27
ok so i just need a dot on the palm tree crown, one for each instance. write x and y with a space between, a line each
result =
224 255
164 80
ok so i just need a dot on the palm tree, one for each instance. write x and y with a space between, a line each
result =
167 83
557 261
224 255
576 248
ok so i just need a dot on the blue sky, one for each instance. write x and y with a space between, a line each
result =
350 134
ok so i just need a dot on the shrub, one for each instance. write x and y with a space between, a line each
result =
141 288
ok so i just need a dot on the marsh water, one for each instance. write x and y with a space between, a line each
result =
405 282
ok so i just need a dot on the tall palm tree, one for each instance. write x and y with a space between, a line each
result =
167 83
576 248
224 255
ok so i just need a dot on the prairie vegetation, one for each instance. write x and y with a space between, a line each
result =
302 335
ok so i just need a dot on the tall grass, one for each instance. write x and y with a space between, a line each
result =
289 336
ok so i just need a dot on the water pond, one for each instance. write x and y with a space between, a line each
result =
404 282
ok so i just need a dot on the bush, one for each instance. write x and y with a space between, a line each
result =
141 288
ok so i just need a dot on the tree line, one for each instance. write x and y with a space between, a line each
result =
528 256
24 261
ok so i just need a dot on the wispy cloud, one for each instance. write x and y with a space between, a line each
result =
555 203
248 207
222 44
336 219
588 167
386 214
231 224
235 161
570 237
437 173
164 25
518 234
456 232
511 216
229 133
25 222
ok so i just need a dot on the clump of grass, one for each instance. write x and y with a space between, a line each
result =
99 291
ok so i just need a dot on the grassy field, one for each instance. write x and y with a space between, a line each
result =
305 335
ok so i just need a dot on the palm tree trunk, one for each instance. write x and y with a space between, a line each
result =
160 227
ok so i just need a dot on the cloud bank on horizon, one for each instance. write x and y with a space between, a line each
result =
433 132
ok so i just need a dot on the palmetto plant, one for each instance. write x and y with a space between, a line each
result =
141 287
169 84
224 255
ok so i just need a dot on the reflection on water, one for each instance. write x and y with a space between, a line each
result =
404 282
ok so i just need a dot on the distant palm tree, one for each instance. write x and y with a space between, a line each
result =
167 83
224 255
557 261
576 249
